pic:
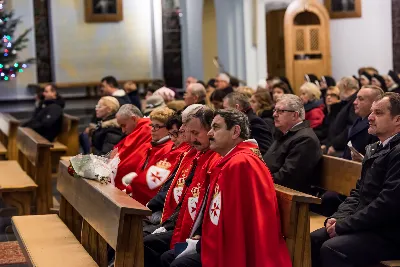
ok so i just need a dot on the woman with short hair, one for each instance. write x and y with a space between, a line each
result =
107 133
313 105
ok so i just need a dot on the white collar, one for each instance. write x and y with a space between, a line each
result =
119 92
384 143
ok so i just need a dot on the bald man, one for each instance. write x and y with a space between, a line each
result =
195 94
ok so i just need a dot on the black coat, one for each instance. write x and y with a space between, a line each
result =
260 131
134 99
293 157
338 133
48 118
323 130
375 203
359 137
106 135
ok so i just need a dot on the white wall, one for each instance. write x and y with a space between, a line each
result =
89 51
365 41
355 42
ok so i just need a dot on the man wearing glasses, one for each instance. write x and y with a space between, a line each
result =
295 153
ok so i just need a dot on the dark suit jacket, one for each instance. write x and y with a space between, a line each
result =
260 130
359 137
338 133
293 158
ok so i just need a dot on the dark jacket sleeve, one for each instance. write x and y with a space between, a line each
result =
348 207
262 135
293 173
385 208
157 202
112 138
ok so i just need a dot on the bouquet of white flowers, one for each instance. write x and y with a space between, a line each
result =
100 168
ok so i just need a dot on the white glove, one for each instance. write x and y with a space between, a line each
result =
127 179
190 249
159 230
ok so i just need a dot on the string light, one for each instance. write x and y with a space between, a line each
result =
9 70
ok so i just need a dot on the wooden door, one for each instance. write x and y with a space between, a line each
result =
275 43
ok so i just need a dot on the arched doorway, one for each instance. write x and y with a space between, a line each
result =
210 49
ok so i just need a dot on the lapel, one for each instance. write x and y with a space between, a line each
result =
358 126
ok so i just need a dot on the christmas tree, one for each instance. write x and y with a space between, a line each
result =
10 65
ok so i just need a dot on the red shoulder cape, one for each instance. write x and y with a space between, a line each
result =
178 184
241 225
194 197
154 170
132 150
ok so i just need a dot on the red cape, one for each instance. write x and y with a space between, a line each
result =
154 170
132 150
194 197
177 186
241 225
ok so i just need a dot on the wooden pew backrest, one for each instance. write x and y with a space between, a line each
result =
34 158
339 175
100 214
8 134
295 223
69 134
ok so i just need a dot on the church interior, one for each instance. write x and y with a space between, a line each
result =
98 97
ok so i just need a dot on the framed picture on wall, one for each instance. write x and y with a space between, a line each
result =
343 8
103 10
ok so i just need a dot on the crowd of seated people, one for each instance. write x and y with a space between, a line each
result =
201 161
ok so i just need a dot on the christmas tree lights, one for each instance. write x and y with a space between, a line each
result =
10 66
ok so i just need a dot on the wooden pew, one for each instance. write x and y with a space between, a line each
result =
69 136
8 135
92 215
339 175
92 88
295 221
67 142
18 182
34 158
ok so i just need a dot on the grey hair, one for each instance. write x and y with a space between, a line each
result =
129 110
190 111
238 98
293 102
198 90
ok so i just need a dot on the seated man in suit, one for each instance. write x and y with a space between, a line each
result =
259 129
365 228
358 133
295 153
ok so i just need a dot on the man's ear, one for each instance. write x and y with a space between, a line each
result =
238 107
236 131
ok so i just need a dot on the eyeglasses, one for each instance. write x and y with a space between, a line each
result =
174 134
281 111
157 127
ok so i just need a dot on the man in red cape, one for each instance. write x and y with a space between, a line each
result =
195 186
241 224
131 149
161 158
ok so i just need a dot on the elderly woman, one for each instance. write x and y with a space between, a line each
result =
313 105
107 133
